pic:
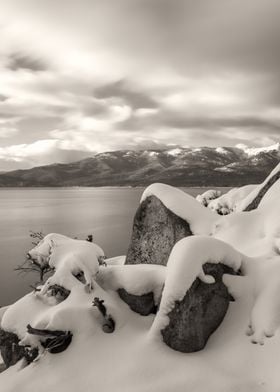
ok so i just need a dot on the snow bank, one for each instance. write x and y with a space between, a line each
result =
254 233
228 202
137 279
207 196
185 206
272 196
185 265
252 195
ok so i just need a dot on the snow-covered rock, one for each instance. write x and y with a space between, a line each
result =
155 231
165 215
195 299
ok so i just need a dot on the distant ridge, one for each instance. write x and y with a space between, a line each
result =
205 166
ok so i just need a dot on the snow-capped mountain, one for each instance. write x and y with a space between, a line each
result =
205 166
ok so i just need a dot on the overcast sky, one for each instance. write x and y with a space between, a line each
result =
85 76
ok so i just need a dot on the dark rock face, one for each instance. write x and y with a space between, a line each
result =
11 351
255 203
200 312
156 230
142 304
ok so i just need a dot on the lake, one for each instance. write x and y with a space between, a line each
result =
107 213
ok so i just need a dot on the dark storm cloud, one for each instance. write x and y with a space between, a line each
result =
19 61
129 94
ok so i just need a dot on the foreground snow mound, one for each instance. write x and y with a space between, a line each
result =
133 357
229 202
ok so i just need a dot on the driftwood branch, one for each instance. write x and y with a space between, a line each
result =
55 341
108 325
44 332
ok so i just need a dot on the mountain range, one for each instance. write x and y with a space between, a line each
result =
205 166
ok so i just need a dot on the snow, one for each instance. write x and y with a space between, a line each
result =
257 150
185 206
175 151
229 202
68 257
251 196
208 195
221 150
185 265
134 358
136 279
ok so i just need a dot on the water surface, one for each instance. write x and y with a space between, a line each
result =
107 213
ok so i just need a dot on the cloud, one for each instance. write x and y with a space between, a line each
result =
6 132
41 152
115 74
129 94
19 61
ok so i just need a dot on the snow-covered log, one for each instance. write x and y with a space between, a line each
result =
165 216
195 299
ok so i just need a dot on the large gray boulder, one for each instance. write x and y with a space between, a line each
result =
155 231
199 313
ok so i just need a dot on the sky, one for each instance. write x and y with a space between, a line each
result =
79 77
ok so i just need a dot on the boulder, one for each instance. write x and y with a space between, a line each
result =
199 313
142 304
11 351
155 231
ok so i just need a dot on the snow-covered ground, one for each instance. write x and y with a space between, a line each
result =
241 356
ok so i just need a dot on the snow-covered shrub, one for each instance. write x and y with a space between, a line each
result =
207 196
73 260
229 202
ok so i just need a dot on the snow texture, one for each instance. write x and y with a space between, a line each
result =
185 206
136 279
251 196
134 358
228 202
185 265
207 196
68 257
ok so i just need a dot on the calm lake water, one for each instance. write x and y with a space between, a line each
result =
107 213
